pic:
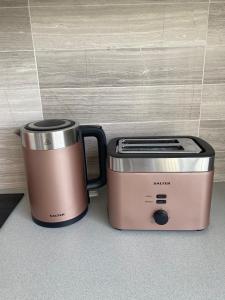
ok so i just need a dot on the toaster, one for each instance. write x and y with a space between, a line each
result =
160 183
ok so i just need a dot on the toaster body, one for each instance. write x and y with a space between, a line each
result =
162 183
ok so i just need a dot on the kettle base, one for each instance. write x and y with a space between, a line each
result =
59 224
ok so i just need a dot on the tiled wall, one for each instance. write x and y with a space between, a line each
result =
135 66
212 125
19 90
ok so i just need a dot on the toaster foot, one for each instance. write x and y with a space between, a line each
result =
59 224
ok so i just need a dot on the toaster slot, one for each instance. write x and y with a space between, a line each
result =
150 141
158 145
152 148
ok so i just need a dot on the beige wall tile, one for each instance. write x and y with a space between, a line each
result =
69 69
11 161
123 26
15 33
217 1
214 65
18 70
13 3
220 166
216 31
127 104
214 132
150 128
19 107
213 102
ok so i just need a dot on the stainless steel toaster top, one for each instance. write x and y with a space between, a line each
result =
158 145
160 154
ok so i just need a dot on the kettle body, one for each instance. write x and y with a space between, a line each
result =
54 155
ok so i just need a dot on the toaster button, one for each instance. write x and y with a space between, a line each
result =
161 217
161 201
161 196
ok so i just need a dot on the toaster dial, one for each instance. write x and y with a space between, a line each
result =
161 217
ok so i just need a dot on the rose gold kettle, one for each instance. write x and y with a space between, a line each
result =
54 155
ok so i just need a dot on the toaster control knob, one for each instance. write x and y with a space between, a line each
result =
161 217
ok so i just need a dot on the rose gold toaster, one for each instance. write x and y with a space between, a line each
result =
160 183
54 155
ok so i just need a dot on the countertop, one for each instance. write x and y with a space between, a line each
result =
90 260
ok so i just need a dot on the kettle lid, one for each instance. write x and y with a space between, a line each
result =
49 125
49 134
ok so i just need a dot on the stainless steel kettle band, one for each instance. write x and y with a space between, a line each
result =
179 164
50 140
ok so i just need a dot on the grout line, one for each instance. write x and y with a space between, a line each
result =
102 5
131 87
156 46
203 69
111 4
121 4
219 83
4 7
35 59
153 121
106 49
160 86
172 121
163 121
111 33
13 51
145 48
136 48
213 119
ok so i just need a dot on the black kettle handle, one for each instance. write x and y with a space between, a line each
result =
98 133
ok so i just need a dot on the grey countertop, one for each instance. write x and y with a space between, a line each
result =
90 260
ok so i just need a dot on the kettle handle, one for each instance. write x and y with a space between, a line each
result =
98 133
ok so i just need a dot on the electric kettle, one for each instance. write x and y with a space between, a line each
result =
56 172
